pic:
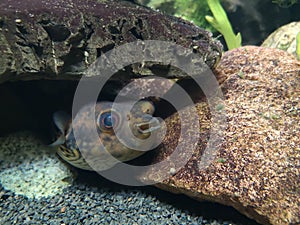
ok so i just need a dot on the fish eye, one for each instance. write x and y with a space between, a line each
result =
108 120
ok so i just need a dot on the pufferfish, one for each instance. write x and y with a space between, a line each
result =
121 130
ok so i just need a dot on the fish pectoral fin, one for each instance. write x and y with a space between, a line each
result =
61 120
59 141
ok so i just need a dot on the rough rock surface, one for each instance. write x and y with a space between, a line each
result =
257 169
60 39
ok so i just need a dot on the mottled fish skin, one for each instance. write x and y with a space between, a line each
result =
139 119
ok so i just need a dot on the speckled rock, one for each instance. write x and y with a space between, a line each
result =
284 38
45 39
29 168
257 169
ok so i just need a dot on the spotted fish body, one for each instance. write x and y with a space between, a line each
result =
121 130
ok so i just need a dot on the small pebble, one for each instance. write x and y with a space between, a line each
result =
63 209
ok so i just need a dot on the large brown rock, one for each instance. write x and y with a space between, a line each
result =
257 169
58 39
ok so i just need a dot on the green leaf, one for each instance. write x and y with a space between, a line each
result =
298 45
221 23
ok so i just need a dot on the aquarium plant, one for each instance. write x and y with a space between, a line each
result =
190 10
220 22
298 45
194 11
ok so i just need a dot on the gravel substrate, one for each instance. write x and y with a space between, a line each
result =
30 168
93 200
33 190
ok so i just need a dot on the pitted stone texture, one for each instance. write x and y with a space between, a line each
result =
45 39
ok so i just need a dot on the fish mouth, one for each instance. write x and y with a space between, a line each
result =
149 125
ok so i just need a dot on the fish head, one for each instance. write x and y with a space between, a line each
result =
127 129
